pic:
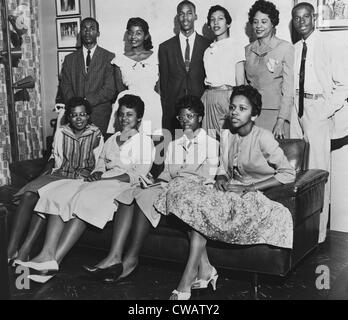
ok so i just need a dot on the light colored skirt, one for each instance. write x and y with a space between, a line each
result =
246 219
39 182
92 202
216 105
145 199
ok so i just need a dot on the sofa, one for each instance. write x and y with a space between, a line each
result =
168 242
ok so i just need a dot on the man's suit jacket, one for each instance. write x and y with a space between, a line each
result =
97 86
175 82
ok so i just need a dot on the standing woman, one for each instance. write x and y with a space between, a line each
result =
139 70
224 69
269 68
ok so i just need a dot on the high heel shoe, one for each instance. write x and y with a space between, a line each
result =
115 277
178 295
203 284
100 274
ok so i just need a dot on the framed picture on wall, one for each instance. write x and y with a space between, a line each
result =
68 32
67 7
332 14
60 58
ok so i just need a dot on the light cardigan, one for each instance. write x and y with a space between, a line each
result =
258 157
134 157
198 156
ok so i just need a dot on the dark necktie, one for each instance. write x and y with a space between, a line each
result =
187 55
302 79
88 59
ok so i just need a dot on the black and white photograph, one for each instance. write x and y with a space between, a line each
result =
67 7
333 14
61 54
174 155
68 32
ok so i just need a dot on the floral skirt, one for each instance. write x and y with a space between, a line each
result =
226 216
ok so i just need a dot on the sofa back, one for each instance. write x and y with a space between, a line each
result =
296 150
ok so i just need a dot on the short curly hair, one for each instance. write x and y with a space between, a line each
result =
252 95
265 7
219 8
132 102
73 103
191 103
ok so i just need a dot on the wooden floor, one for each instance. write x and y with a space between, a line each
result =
154 280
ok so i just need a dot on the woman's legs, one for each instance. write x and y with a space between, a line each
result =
54 230
140 229
36 226
197 247
72 232
122 225
205 267
21 221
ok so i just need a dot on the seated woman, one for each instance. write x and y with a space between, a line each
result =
76 148
235 211
195 153
72 204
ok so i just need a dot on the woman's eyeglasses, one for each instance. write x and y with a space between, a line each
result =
75 115
188 116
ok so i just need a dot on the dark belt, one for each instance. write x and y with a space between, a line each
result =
338 143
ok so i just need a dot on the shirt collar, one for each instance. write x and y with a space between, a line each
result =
85 50
311 37
90 129
263 49
198 137
191 38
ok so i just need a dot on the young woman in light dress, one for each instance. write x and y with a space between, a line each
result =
139 70
72 205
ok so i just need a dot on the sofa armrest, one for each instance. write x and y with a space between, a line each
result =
304 180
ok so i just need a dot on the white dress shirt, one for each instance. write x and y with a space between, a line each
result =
85 53
311 84
191 40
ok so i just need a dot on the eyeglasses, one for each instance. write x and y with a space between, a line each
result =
75 115
188 116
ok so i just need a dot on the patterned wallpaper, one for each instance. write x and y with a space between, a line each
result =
28 113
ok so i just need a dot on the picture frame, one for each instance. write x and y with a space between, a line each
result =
67 7
61 54
332 14
68 30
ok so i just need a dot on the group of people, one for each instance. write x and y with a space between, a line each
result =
230 107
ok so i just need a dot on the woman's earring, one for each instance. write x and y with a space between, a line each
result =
253 118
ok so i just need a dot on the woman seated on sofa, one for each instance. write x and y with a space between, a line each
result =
72 204
235 210
195 153
64 163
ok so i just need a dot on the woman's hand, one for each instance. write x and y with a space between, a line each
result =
278 130
240 189
95 176
221 183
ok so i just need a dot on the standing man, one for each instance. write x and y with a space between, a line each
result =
320 93
88 73
181 63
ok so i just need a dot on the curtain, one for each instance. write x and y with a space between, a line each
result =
28 113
